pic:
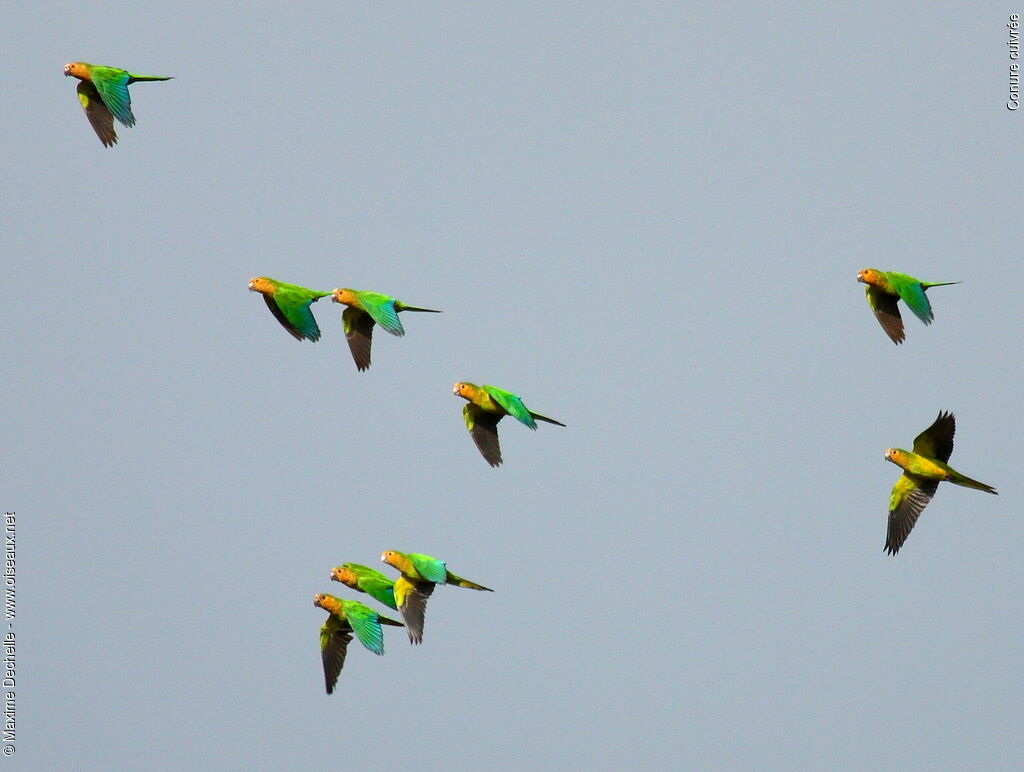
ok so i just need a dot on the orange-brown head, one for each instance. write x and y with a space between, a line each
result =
262 284
869 276
346 296
327 603
465 390
392 558
345 576
78 70
896 456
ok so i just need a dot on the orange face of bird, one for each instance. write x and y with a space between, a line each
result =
346 296
389 557
343 575
868 276
462 390
261 284
327 603
895 455
77 69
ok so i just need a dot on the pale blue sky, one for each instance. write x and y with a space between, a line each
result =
645 219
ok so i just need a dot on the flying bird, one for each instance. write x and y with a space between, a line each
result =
419 575
368 580
365 309
103 92
486 406
344 618
289 303
885 288
923 469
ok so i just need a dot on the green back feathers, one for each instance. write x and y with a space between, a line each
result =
290 305
365 623
911 291
430 568
375 584
511 404
112 85
382 310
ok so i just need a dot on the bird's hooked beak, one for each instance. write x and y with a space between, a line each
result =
252 285
67 70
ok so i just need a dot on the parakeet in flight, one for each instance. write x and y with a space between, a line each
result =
289 303
365 309
344 618
103 92
487 405
368 580
419 575
923 469
885 288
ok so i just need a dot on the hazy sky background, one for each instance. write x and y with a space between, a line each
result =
645 219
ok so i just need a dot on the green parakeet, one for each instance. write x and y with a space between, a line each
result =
923 470
885 288
487 405
419 575
289 303
365 309
368 580
344 618
103 92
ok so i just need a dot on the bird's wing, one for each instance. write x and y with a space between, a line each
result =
366 625
916 298
287 323
910 495
296 305
99 115
483 428
412 604
512 404
114 91
382 309
936 442
380 588
334 639
430 568
359 333
887 313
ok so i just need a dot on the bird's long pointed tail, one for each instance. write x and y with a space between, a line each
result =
458 581
540 417
967 482
417 308
133 78
927 284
